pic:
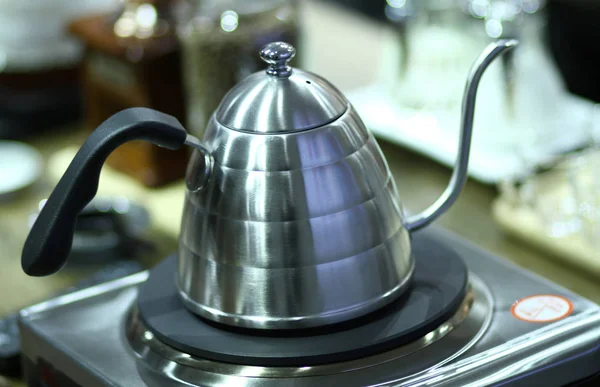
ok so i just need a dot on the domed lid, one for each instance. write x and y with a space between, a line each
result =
281 99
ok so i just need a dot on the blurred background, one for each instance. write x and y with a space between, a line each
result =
534 192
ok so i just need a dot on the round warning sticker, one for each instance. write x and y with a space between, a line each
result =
542 308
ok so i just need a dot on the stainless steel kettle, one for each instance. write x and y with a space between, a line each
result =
291 219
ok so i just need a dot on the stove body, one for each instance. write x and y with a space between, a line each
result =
81 340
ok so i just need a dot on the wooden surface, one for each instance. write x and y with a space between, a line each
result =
419 181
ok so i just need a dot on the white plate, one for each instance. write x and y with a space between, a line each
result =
20 166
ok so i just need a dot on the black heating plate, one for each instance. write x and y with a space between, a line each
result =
439 286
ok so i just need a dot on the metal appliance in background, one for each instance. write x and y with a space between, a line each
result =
296 254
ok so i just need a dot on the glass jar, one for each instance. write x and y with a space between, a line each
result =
436 48
220 44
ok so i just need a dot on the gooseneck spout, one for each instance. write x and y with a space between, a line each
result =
459 176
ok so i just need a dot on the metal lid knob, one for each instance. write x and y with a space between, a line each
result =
277 55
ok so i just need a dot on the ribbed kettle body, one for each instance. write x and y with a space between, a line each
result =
293 230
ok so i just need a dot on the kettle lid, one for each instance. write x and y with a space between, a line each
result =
281 99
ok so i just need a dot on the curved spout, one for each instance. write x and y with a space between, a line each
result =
459 176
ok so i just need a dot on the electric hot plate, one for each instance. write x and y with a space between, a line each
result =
132 332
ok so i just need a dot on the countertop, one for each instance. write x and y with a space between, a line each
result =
419 180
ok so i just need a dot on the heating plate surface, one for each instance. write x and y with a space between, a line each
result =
82 335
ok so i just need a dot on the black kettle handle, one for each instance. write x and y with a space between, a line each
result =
49 241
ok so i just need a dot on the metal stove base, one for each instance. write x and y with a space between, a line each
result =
81 340
436 348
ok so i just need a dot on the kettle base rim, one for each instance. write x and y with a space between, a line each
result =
298 322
